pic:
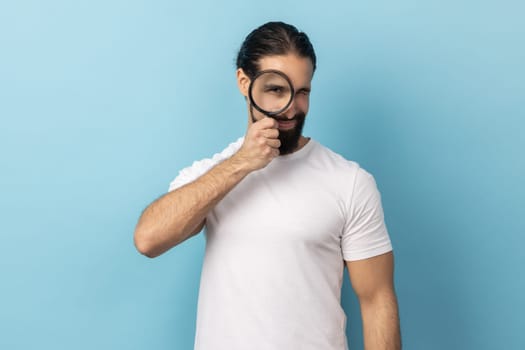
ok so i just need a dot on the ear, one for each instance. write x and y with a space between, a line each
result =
243 82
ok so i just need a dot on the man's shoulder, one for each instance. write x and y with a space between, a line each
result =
228 151
332 159
339 165
219 156
344 172
199 167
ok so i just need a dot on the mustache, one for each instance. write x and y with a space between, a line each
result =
298 116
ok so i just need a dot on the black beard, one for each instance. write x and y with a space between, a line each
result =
289 138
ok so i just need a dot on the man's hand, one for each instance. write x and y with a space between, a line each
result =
261 144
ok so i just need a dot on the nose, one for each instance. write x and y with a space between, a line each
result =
290 112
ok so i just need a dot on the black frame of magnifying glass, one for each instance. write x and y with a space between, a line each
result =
250 95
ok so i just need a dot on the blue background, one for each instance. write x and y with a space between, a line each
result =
102 103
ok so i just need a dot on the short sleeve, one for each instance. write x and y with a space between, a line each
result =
199 168
365 234
191 173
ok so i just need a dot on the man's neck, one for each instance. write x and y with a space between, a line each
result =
302 142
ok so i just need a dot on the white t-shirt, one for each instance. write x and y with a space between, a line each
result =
275 251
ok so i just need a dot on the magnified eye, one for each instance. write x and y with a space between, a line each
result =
274 89
271 92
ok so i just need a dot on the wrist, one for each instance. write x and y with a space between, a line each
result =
238 165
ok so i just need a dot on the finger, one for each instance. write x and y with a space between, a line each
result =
268 123
270 133
273 143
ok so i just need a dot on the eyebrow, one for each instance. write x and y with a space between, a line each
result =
305 88
276 86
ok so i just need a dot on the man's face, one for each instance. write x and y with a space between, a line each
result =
291 121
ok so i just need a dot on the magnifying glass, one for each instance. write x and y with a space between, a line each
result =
271 92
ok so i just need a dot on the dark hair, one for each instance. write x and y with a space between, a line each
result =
270 39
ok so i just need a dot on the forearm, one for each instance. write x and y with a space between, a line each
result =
177 215
381 330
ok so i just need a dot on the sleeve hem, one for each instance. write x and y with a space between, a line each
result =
369 253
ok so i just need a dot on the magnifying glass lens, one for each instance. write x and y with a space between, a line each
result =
271 93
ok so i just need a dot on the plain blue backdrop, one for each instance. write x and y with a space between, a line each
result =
103 102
